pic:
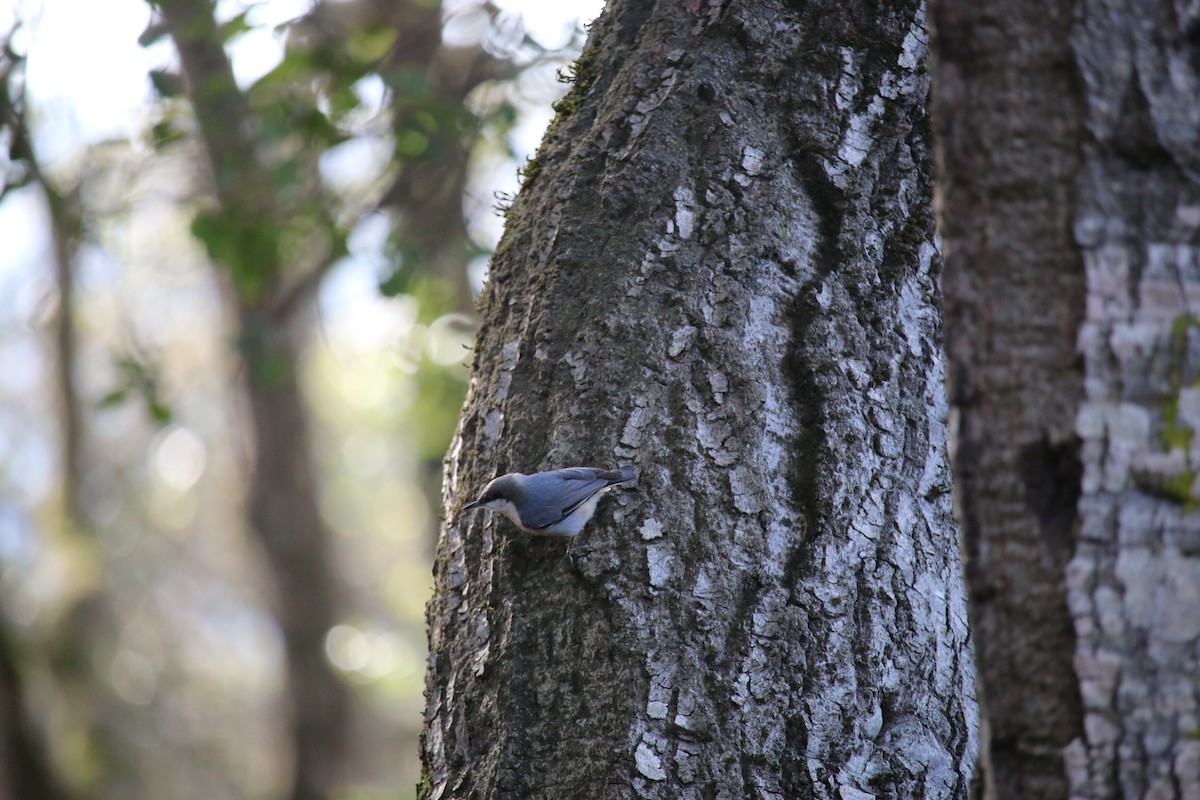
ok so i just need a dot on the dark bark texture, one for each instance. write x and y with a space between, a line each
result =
1008 112
722 269
1069 133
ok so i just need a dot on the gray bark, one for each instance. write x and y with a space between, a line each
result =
1069 134
1134 582
722 269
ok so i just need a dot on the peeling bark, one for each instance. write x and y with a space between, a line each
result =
722 269
1070 137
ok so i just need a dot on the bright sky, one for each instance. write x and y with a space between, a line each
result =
87 77
85 63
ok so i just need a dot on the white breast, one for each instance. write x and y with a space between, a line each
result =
573 523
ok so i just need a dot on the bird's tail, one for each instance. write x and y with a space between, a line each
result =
621 474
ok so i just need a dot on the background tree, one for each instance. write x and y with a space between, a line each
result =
721 268
139 649
88 617
245 235
1068 142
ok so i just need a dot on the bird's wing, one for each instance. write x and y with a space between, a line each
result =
564 491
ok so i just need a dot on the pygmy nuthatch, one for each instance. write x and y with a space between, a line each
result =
555 503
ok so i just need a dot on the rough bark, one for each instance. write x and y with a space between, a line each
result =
1134 582
722 269
281 495
1069 137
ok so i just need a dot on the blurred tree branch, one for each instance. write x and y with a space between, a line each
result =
25 770
273 230
264 144
434 130
243 237
66 223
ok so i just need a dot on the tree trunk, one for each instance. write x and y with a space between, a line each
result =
282 504
721 269
25 769
281 496
1008 112
1068 133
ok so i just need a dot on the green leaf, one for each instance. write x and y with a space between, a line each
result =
166 83
343 100
164 133
156 31
113 398
233 27
291 69
340 242
248 248
160 412
137 377
319 129
411 143
402 279
370 45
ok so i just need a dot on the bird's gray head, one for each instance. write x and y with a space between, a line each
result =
502 494
502 490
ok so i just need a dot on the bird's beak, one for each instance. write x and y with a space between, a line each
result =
469 506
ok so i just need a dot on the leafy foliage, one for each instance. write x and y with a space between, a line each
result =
164 484
138 378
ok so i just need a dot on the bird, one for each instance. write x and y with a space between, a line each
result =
554 503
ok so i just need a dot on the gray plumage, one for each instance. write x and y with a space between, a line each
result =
554 503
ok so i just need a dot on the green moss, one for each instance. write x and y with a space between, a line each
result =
1181 324
531 168
1175 434
425 786
568 105
1179 487
580 75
